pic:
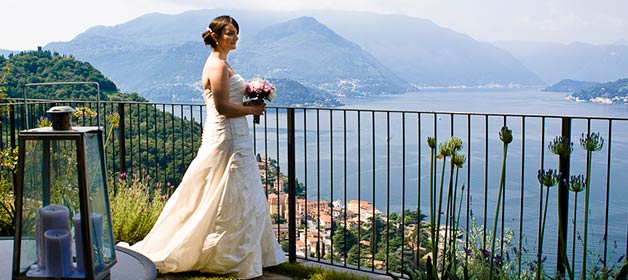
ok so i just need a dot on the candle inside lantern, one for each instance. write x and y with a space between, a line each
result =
97 228
58 253
49 217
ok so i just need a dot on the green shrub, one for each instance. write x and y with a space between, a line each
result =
8 163
135 206
7 213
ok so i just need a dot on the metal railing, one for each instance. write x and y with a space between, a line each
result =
353 185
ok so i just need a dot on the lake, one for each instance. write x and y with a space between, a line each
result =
390 166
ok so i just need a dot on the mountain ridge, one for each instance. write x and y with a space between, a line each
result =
609 92
144 69
554 62
415 50
292 51
569 85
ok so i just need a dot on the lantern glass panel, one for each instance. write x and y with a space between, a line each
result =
50 178
101 231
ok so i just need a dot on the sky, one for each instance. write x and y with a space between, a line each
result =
26 24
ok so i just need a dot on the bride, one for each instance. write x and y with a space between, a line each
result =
217 220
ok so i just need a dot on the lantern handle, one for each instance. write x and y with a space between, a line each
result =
61 83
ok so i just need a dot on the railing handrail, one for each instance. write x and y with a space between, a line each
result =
25 86
271 106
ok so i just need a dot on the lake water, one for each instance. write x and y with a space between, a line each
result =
390 166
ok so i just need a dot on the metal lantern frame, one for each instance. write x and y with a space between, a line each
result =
79 136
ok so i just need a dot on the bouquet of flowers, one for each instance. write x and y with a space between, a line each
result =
258 90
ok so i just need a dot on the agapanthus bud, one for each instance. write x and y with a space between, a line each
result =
591 142
114 120
431 142
576 183
561 146
444 150
458 160
455 144
505 135
547 178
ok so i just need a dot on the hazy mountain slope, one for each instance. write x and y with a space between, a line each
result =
610 92
307 51
159 54
424 53
569 85
6 52
156 29
167 71
578 61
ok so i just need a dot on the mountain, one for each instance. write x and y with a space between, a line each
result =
161 55
578 61
291 92
169 72
307 51
45 66
610 92
6 52
569 85
424 53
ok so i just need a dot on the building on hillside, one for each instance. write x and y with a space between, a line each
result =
281 231
278 204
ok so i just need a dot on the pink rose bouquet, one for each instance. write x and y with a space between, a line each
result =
258 90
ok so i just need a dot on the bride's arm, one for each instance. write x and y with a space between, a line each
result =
220 85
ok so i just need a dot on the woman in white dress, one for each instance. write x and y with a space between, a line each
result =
217 220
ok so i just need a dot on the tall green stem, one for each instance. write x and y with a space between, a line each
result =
440 207
432 212
448 212
573 237
454 225
497 207
544 217
586 213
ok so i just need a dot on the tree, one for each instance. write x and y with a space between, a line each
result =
352 255
413 217
343 239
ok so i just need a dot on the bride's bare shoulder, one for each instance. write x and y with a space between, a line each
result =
214 68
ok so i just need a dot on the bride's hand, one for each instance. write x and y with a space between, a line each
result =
255 107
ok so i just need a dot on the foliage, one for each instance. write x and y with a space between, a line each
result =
135 206
605 271
343 239
4 73
8 162
616 91
45 66
505 259
294 270
7 213
300 271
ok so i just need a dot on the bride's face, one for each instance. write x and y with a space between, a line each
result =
229 38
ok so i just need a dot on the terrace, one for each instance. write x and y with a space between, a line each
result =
362 189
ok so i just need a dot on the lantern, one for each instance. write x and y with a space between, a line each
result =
63 221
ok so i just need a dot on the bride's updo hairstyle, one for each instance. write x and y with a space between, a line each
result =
216 26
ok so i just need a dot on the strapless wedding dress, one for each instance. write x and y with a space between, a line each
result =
217 220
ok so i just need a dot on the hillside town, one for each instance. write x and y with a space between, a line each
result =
316 218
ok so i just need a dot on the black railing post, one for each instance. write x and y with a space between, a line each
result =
563 201
121 138
292 198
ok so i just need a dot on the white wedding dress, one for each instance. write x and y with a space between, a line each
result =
217 220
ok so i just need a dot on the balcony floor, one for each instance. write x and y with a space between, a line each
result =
268 274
